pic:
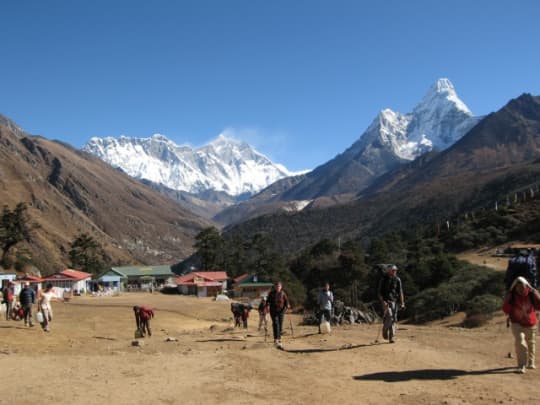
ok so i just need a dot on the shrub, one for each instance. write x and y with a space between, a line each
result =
476 320
483 304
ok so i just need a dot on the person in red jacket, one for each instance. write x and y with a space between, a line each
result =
520 304
145 314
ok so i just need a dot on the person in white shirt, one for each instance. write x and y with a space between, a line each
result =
44 306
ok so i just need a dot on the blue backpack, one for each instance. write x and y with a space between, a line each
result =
521 266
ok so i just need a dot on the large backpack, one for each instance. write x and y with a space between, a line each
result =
520 266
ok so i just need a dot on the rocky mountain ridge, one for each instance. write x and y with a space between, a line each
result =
69 192
223 165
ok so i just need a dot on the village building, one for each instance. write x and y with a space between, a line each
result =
249 285
202 283
136 278
74 281
5 277
110 280
34 281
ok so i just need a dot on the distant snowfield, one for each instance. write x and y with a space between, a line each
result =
224 164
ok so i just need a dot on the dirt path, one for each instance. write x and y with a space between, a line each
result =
88 359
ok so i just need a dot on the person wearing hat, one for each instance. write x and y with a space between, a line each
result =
520 304
8 298
389 290
27 298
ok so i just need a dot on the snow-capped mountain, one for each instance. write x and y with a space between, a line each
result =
436 122
393 138
224 164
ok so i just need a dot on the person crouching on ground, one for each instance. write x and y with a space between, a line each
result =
278 303
520 304
44 306
145 314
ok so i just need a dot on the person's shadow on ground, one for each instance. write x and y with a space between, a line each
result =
429 374
13 326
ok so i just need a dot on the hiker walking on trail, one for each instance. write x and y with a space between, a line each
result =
8 297
325 301
278 304
520 304
44 306
389 291
521 265
27 298
263 314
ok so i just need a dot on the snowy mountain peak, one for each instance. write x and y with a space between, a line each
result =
442 93
436 122
225 164
444 85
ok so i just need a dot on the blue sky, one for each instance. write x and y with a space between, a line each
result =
299 80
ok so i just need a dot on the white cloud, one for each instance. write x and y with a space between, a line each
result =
272 143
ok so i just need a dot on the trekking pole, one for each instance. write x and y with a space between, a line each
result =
290 323
379 328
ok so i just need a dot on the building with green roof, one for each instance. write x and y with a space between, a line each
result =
136 278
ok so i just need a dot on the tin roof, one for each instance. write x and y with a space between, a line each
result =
68 275
138 271
201 277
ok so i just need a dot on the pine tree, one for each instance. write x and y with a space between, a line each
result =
14 228
86 254
209 245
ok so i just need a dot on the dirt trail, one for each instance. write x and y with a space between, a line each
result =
88 359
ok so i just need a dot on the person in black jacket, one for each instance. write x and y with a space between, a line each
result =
27 298
278 303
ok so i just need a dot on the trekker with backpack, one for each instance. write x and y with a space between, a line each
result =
521 265
390 290
519 304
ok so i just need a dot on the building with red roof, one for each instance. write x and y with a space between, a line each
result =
72 280
202 283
